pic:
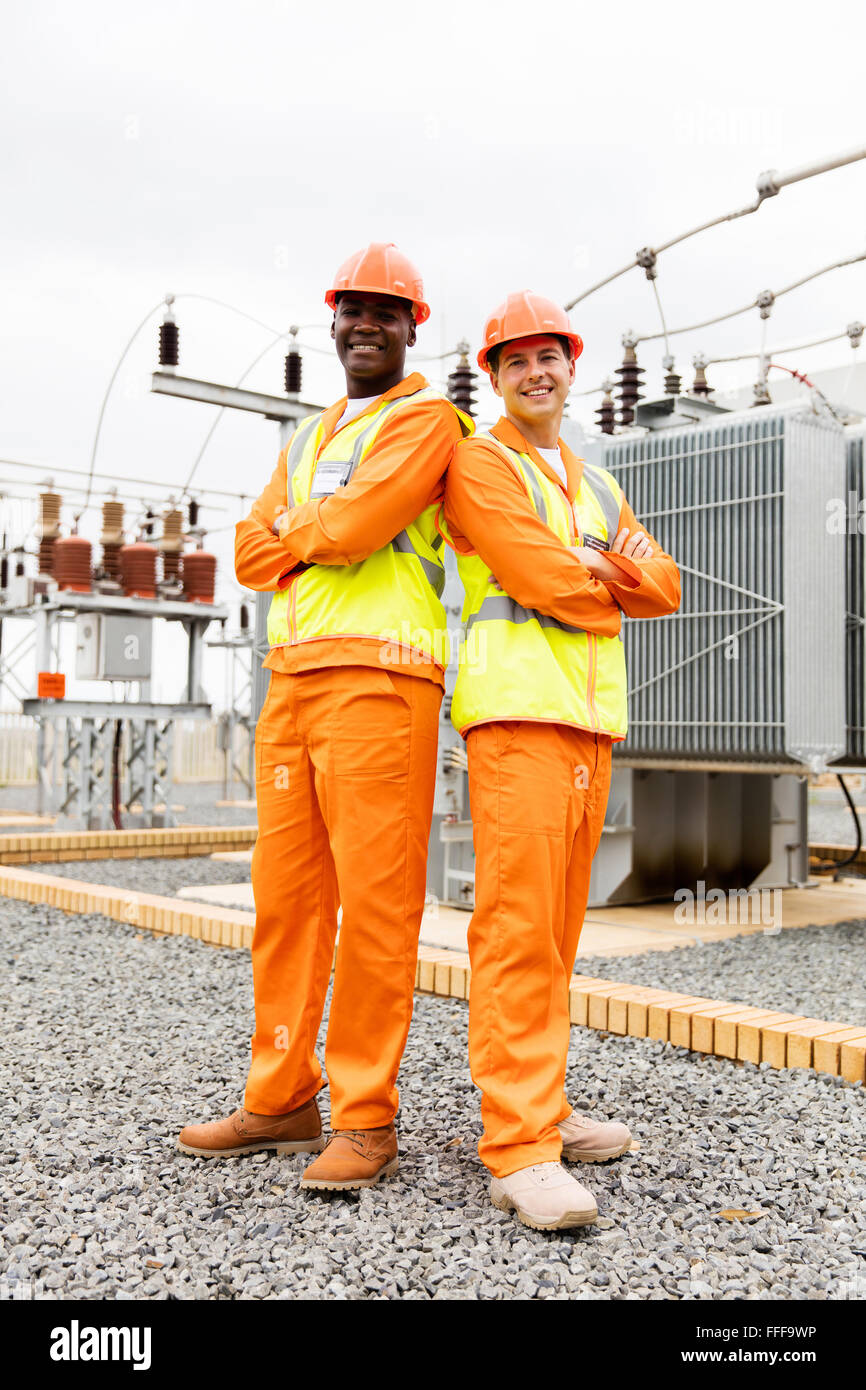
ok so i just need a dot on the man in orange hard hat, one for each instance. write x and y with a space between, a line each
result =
345 536
551 555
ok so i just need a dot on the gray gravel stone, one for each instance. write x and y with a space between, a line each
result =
126 1037
819 972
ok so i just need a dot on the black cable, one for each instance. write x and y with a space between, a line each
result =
853 855
835 865
115 775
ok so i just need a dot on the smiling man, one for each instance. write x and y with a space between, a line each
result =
550 555
346 743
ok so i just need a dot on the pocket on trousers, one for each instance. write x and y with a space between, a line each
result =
372 732
533 785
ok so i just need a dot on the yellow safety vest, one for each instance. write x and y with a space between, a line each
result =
517 663
393 595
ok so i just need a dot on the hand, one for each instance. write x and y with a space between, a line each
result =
635 547
281 515
597 563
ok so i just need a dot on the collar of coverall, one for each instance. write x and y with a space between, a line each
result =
508 433
406 387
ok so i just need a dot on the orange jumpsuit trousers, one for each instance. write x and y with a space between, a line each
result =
538 794
345 772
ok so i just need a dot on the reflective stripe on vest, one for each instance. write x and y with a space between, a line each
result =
394 594
518 663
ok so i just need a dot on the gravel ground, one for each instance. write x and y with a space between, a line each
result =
161 876
819 972
116 1038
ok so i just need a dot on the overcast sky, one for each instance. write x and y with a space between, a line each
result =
242 151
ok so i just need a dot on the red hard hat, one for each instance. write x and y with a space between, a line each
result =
525 315
381 269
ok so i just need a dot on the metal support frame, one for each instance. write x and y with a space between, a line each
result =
149 765
87 771
84 794
242 661
667 829
88 733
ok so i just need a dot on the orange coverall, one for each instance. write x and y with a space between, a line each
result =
538 794
345 773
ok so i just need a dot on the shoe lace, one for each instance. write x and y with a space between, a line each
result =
546 1172
578 1118
356 1137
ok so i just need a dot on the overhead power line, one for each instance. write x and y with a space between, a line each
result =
768 185
764 301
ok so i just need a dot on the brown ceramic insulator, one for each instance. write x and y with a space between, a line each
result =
46 555
138 570
112 524
630 375
199 576
606 414
171 567
700 385
72 563
673 383
171 542
111 561
49 515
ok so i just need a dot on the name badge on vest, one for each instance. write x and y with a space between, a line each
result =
329 475
595 543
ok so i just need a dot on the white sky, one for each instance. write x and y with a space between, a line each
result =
243 151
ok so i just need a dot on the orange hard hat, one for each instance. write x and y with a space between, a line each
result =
381 269
525 315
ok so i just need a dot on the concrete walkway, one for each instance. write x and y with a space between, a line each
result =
625 931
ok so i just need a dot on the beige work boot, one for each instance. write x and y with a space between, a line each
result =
354 1158
545 1197
298 1131
590 1141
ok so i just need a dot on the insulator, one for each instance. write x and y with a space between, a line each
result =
149 524
169 343
111 561
762 393
172 531
294 369
700 385
46 555
646 259
199 575
171 567
673 383
855 332
193 512
138 570
765 301
631 379
606 413
112 523
49 515
244 618
461 386
72 568
4 571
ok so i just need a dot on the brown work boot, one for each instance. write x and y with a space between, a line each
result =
354 1158
299 1131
